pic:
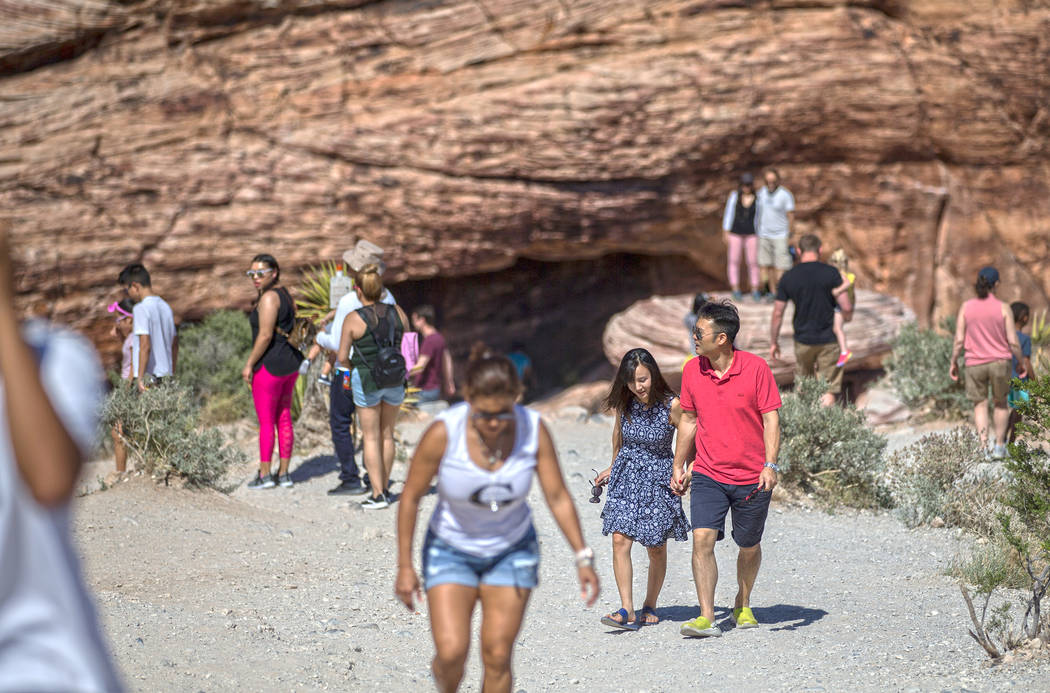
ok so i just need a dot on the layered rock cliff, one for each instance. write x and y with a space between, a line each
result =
470 136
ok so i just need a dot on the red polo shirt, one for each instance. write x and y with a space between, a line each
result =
729 444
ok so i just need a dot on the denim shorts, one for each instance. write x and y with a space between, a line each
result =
518 566
391 395
710 501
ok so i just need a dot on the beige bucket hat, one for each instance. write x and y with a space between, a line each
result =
364 253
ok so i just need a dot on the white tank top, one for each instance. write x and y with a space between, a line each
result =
480 512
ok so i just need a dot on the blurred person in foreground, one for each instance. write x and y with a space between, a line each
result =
52 390
481 544
726 452
985 328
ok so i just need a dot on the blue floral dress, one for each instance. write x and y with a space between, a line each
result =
640 503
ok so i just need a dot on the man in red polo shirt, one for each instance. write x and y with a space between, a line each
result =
730 430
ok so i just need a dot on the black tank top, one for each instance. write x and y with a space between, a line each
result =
744 217
280 357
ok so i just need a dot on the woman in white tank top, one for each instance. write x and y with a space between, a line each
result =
480 543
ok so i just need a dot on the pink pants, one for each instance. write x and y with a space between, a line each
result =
739 245
272 395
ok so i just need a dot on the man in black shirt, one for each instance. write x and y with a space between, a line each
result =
812 285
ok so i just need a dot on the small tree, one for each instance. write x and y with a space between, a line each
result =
918 369
829 450
160 429
1027 527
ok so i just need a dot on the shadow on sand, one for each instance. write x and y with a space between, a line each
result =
315 466
778 617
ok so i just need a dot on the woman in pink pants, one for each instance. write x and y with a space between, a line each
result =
272 369
738 223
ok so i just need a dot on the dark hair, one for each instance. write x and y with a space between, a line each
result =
271 262
127 305
698 300
723 315
983 287
620 395
479 350
134 274
492 376
426 311
810 243
1020 309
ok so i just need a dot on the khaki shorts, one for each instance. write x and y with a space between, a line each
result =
978 378
819 360
773 252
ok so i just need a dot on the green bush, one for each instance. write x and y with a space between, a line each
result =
211 356
829 450
160 430
918 369
945 475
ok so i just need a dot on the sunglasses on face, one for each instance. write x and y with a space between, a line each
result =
698 334
492 415
257 273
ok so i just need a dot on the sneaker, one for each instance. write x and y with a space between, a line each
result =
324 379
700 627
768 298
998 452
261 481
348 488
375 503
843 357
744 618
285 480
737 296
756 295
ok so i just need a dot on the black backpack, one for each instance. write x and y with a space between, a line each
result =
389 369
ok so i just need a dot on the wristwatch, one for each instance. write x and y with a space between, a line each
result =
585 556
773 465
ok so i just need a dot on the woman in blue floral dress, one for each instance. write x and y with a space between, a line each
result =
640 505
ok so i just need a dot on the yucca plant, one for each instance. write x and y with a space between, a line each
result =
314 291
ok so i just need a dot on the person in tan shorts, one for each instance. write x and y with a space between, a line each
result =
815 288
985 328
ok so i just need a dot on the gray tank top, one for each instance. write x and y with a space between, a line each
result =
480 512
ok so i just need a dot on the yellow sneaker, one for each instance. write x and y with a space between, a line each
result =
700 627
744 618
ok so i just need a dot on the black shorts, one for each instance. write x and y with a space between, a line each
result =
710 500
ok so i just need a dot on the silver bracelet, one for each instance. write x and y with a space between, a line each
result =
585 556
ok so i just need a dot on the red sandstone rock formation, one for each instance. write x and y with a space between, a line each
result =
465 135
657 324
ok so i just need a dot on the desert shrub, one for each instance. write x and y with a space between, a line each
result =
211 356
945 475
918 369
829 450
160 430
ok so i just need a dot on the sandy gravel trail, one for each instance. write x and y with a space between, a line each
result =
290 589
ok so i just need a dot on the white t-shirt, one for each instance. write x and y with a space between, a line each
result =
329 339
771 216
480 512
153 317
49 635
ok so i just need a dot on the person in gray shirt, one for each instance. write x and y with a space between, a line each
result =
776 211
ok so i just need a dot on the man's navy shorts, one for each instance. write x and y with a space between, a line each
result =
710 500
